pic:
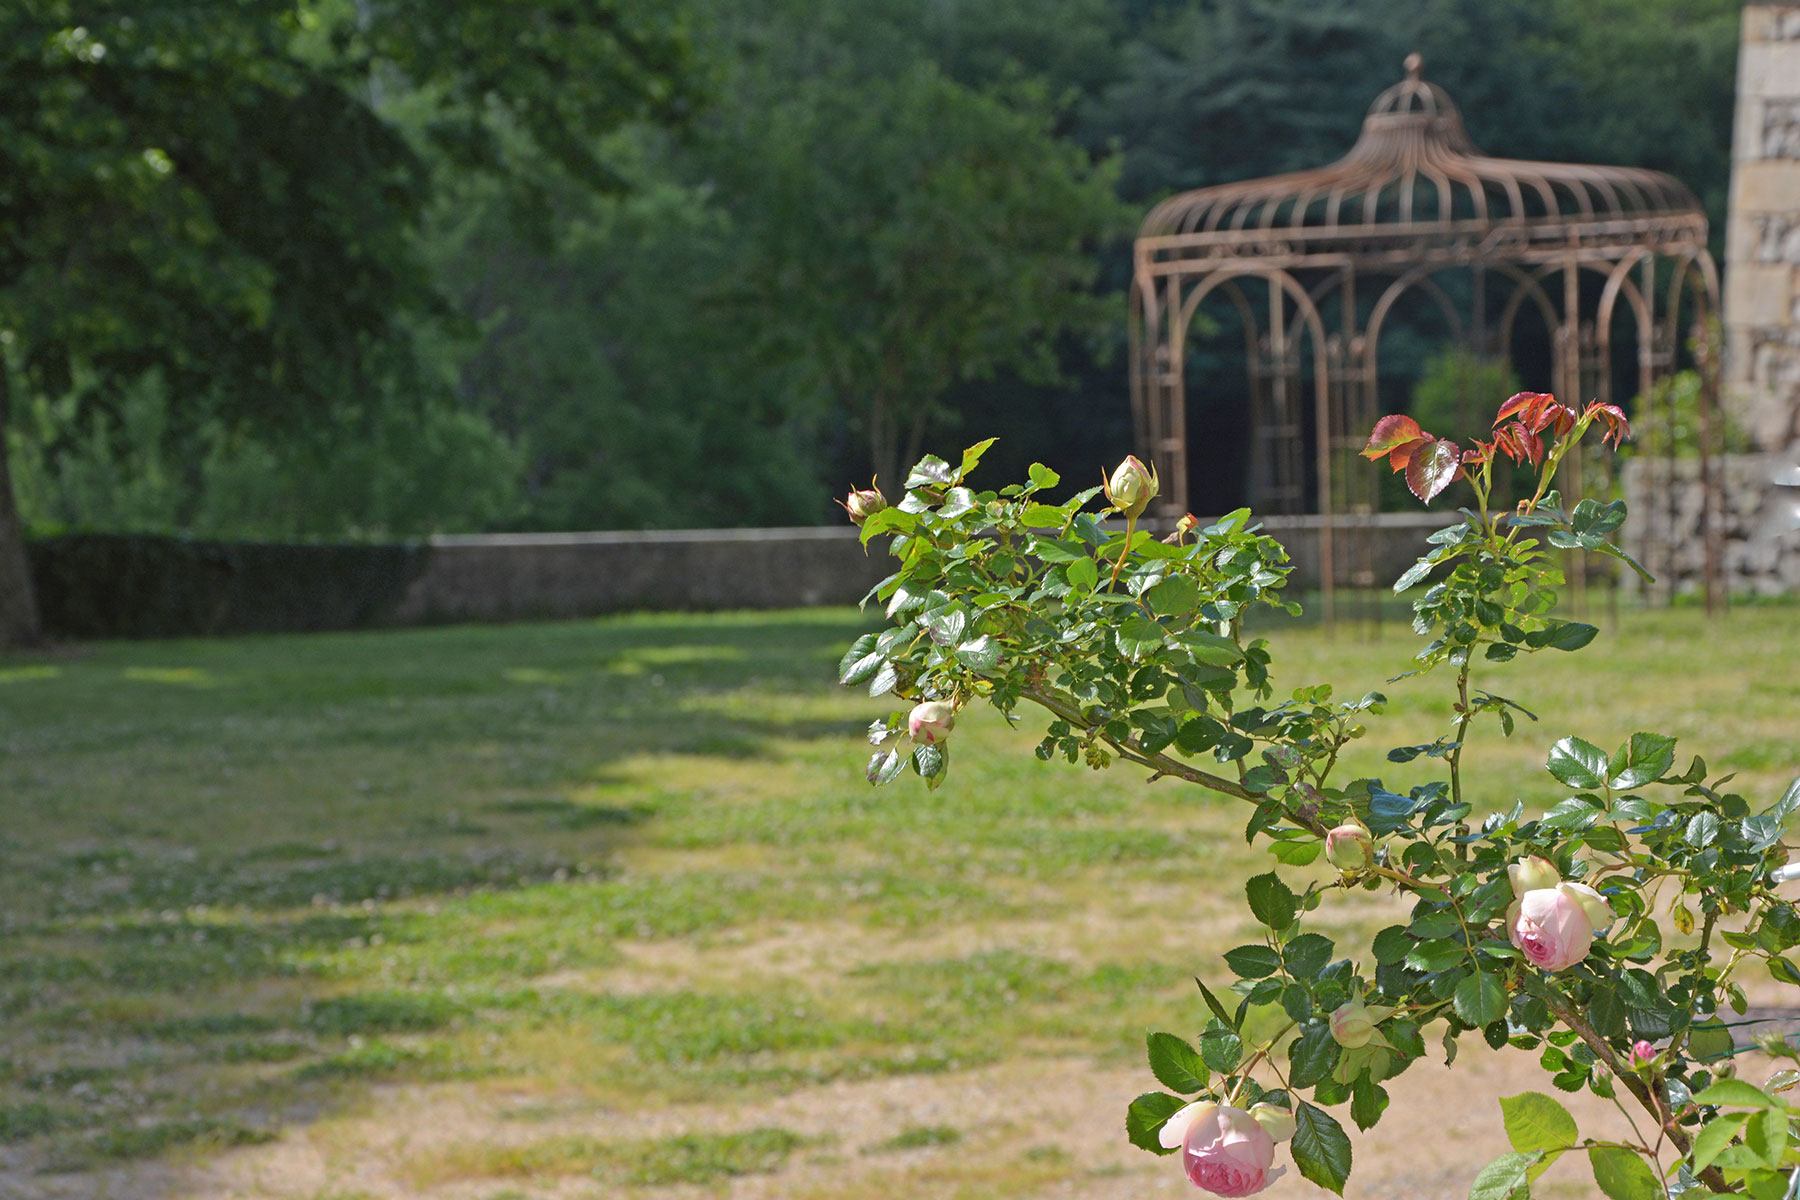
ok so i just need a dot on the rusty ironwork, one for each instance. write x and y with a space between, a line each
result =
1334 249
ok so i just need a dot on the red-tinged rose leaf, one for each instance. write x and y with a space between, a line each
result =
1617 427
1482 453
1390 433
1518 403
1432 468
1523 402
1562 416
1401 455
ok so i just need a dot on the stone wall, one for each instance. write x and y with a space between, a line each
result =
1760 525
1762 236
504 577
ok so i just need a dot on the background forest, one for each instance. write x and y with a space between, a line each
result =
827 232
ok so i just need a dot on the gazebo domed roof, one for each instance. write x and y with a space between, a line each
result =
1414 171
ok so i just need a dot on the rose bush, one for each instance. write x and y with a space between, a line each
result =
1607 928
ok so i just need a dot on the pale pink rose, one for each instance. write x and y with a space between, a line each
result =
1551 926
1226 1152
1530 874
1349 847
1352 1025
931 722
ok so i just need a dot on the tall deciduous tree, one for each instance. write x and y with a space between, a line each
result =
908 232
209 189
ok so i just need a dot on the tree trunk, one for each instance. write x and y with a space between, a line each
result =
19 623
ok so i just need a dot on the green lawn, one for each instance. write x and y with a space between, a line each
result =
508 911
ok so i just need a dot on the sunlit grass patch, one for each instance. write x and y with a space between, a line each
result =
698 1158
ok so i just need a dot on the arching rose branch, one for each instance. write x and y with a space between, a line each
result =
1608 931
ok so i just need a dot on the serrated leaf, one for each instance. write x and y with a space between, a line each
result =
1392 945
930 471
884 680
1145 1117
1212 1002
1622 1175
1578 764
1642 759
860 661
1479 999
929 761
1561 635
1717 1135
885 766
1042 476
1271 901
1436 955
972 455
1414 575
1368 1100
1176 1065
1312 1054
1736 1093
1138 636
1504 1178
1432 467
1252 962
979 654
1321 1148
1307 955
1221 1049
1535 1121
1175 594
1083 573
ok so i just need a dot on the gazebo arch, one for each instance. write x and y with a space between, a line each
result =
1412 201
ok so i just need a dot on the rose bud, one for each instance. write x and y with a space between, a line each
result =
1530 874
1278 1122
1552 926
1349 847
1352 1025
1226 1152
1131 487
1642 1054
931 722
863 503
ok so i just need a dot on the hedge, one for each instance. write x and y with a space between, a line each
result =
105 585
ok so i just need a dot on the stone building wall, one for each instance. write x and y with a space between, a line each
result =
1760 527
1762 236
1761 320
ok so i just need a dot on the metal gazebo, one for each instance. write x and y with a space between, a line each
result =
1337 247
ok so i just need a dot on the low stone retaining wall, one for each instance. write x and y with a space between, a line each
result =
501 577
1759 524
132 585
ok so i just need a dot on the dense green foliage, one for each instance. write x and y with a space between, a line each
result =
639 265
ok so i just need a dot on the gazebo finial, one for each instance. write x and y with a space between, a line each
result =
1415 67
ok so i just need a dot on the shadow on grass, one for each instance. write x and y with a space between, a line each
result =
205 942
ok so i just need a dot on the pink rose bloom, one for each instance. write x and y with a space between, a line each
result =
1227 1152
1642 1054
1554 926
931 722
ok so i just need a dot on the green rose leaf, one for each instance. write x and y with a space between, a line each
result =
1146 1117
1042 476
1646 757
1561 635
1368 1100
1715 1137
979 654
1221 1049
1271 901
1083 573
1578 764
1176 1065
1253 962
1139 635
861 661
1392 945
1480 999
1736 1093
1622 1175
1321 1147
1175 594
885 766
1313 1054
1436 956
1504 1178
1535 1121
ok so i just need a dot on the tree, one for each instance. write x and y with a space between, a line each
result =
908 232
212 191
